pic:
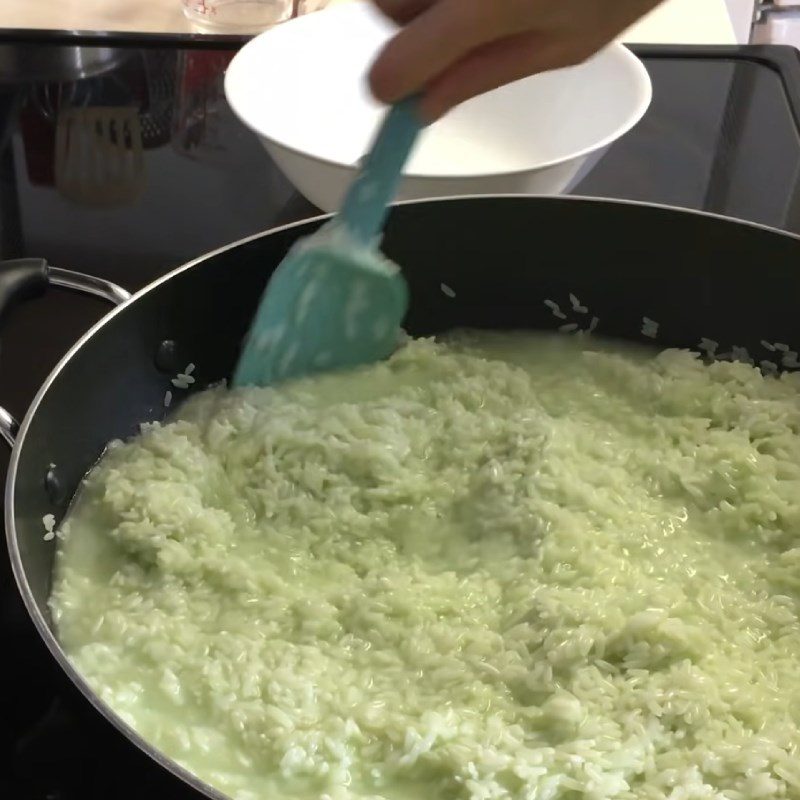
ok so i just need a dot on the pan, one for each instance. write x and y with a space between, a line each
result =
646 273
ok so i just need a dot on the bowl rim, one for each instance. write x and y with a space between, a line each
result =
643 87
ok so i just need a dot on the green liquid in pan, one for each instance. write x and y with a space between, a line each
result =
502 566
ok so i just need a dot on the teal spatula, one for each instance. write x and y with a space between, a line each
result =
335 301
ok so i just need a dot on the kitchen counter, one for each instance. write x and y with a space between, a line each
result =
676 21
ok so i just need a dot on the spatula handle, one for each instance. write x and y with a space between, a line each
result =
365 205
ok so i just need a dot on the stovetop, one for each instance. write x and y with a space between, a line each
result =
723 135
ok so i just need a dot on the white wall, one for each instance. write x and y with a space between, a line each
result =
741 12
684 22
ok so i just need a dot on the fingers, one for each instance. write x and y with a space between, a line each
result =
497 64
403 11
452 50
436 38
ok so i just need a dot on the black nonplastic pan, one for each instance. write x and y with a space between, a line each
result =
692 275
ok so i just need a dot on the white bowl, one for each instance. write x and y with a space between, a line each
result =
301 87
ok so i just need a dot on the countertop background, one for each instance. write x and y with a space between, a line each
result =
676 21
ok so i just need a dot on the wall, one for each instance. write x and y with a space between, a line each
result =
741 12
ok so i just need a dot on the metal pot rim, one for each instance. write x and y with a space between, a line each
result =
61 64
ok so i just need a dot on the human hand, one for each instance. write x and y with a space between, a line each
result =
451 50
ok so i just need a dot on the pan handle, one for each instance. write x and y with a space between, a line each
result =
20 280
26 278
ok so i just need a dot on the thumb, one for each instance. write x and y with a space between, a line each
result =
403 11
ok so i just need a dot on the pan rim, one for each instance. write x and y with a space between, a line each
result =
12 544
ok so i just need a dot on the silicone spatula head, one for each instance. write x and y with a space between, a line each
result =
335 301
329 306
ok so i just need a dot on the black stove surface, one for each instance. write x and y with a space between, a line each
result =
722 135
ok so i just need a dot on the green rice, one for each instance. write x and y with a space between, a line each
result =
504 566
